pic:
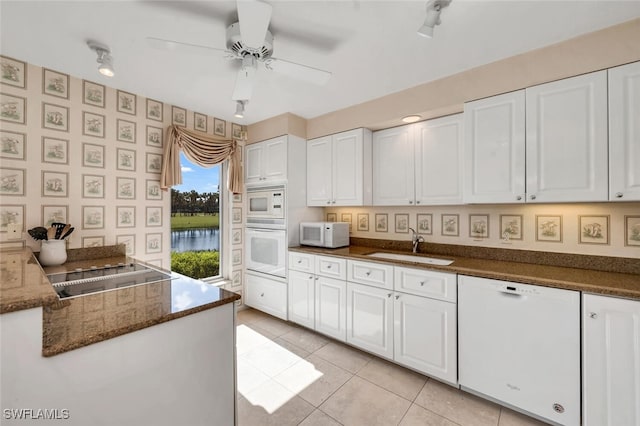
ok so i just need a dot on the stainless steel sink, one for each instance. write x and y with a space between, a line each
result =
411 258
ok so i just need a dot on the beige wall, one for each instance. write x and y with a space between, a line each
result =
74 200
569 234
284 124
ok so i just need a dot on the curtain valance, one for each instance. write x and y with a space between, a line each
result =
202 149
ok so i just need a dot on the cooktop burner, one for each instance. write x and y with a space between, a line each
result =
107 277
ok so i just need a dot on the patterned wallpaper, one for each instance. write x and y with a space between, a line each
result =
607 229
80 152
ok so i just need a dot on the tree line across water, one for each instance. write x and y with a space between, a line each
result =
194 203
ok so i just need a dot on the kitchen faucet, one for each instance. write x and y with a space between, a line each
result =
415 239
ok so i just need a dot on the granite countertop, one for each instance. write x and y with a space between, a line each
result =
80 321
22 282
587 280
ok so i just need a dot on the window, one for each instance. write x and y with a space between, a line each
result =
196 228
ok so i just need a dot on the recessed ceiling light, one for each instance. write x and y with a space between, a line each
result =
411 118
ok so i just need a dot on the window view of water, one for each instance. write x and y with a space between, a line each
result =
195 239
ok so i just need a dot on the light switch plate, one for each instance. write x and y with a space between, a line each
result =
14 231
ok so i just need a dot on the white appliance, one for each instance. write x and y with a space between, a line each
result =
266 206
324 234
520 346
266 251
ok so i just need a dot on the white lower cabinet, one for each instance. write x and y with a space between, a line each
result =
301 298
331 307
266 295
370 319
610 361
425 336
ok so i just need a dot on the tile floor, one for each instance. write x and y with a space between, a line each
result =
289 375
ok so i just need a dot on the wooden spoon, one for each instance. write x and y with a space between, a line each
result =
51 233
64 231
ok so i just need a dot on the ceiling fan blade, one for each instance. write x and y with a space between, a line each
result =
244 84
254 17
299 71
178 46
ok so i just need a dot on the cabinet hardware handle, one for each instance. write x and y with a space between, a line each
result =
389 295
311 277
328 202
316 278
368 273
618 194
519 197
410 202
299 260
397 297
533 197
333 201
262 295
593 315
421 283
417 202
328 266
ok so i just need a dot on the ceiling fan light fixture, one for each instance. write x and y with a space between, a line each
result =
434 8
411 118
105 61
239 109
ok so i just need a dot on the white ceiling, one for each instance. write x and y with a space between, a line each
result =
371 47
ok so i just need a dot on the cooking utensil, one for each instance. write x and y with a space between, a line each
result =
58 227
64 230
51 233
69 231
38 233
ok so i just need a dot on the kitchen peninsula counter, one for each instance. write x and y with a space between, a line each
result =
568 277
80 321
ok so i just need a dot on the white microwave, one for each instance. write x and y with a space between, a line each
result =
266 206
324 234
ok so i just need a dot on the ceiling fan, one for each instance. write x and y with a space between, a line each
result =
250 42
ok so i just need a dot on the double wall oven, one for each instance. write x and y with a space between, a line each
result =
266 236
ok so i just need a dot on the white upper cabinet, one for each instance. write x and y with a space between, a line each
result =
393 165
418 163
339 169
266 161
566 140
438 160
494 146
624 132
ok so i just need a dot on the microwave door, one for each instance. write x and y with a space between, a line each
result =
259 205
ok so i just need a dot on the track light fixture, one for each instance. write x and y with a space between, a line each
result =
240 109
104 60
434 8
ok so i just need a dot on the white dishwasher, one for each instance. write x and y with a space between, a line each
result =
519 345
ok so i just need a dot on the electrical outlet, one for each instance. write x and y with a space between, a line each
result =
14 231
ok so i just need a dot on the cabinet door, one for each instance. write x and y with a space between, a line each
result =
331 307
611 361
370 319
302 298
319 162
347 168
425 336
624 133
266 295
393 167
275 159
438 156
494 149
567 140
253 163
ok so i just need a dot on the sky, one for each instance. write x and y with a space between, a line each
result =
198 178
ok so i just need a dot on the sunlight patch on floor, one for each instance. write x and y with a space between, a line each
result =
268 374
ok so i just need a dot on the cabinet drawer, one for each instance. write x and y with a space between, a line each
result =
436 285
266 295
302 262
375 274
331 267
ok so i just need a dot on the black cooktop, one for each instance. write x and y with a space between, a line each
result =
107 277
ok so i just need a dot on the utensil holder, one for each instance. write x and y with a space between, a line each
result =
53 253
